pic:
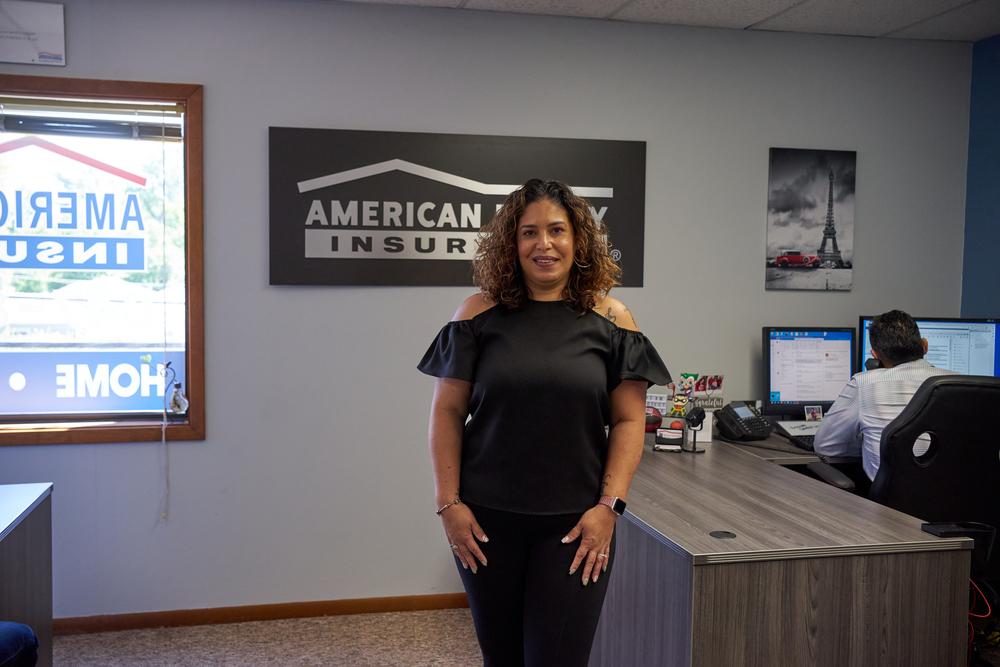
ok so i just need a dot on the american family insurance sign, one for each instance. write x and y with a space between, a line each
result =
399 208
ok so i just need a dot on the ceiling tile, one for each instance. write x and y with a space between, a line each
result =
412 3
969 23
707 13
586 8
961 20
856 17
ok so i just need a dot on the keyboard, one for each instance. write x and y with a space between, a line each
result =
802 441
800 434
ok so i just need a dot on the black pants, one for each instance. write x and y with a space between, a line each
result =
528 610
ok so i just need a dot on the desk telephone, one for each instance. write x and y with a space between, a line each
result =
741 421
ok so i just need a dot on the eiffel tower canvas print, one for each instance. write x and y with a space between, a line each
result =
810 219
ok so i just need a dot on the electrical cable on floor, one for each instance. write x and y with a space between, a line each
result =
974 614
989 609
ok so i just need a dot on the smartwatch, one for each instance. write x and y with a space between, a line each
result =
616 504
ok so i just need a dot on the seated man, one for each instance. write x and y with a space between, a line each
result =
872 399
18 645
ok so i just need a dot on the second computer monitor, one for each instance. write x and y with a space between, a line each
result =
966 346
805 367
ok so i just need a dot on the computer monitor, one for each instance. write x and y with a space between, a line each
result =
964 345
805 366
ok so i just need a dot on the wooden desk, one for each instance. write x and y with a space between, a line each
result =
26 561
811 575
775 449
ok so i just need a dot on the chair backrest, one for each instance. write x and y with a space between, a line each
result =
958 479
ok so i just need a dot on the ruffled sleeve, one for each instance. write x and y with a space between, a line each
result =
633 357
453 353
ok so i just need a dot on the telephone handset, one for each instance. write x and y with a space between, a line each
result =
740 421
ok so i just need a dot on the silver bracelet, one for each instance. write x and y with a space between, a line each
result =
456 501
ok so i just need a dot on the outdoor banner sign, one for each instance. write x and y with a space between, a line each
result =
87 382
92 298
351 207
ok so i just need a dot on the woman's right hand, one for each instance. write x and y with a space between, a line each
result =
463 531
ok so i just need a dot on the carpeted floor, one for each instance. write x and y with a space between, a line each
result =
443 638
408 639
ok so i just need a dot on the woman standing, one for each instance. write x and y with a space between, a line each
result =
537 427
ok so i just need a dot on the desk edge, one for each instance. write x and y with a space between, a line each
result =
832 551
944 544
28 510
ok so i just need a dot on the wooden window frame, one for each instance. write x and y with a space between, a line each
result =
193 427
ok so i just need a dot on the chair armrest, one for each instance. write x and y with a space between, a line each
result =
831 475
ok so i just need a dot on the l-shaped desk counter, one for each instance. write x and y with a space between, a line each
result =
727 558
26 561
723 558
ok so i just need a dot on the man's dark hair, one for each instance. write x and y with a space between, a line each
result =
896 338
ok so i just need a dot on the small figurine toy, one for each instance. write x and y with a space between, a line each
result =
679 407
686 385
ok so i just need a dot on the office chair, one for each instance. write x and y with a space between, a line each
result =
958 478
955 485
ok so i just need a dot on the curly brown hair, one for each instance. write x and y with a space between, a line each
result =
497 270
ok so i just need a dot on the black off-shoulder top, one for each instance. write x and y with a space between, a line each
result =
536 439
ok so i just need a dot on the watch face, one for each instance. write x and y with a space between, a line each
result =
618 506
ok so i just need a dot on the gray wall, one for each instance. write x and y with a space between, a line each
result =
314 483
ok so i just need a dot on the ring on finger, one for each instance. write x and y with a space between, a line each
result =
454 547
602 555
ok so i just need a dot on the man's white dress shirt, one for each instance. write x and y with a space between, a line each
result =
868 402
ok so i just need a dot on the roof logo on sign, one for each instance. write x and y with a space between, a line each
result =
73 155
432 174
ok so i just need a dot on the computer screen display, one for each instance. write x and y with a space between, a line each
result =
805 366
967 346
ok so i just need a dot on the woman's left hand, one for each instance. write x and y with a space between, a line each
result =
595 527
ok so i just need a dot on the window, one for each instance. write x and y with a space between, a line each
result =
101 324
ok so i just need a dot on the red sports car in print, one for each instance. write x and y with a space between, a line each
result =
796 258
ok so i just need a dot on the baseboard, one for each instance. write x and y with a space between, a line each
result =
259 612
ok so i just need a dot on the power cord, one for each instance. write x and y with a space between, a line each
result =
164 451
